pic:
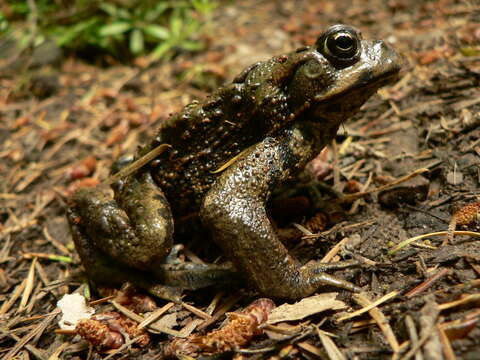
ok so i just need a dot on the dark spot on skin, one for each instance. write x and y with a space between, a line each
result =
161 199
158 197
212 103
164 213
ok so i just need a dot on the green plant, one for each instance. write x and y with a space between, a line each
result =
122 28
141 28
3 22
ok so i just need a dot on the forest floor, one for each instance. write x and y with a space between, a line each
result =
62 124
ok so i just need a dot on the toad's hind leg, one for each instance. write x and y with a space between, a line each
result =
119 237
234 209
106 270
135 228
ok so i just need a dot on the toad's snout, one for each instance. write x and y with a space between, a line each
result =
390 63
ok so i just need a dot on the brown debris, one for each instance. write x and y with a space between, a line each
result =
468 214
460 328
107 331
130 297
465 216
381 319
239 330
412 192
84 168
432 348
118 133
429 56
317 223
427 283
84 182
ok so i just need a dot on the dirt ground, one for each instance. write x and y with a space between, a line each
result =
63 123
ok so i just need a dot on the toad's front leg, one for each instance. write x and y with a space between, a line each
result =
234 209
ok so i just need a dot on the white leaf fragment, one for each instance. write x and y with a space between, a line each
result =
74 308
306 307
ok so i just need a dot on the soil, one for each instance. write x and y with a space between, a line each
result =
64 121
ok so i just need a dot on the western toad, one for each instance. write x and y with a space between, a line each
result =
266 125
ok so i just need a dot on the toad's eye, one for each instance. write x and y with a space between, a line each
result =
340 44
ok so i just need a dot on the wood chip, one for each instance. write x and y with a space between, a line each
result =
155 315
310 348
332 350
196 311
381 320
140 319
432 349
412 332
15 295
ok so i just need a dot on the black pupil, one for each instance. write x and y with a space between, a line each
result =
344 42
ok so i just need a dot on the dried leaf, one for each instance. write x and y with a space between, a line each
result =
82 169
306 307
168 321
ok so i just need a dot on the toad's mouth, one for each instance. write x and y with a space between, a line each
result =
335 108
367 84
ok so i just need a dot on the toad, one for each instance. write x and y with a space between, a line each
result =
226 154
